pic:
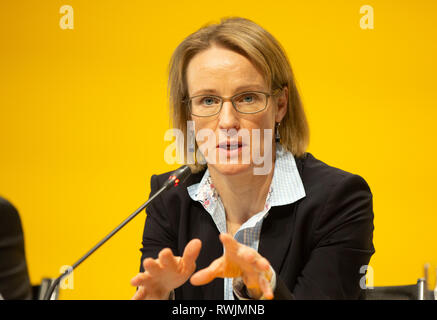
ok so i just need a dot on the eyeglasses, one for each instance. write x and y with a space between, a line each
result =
246 102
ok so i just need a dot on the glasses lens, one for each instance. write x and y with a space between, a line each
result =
250 102
205 105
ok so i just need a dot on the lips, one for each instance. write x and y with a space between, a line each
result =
230 145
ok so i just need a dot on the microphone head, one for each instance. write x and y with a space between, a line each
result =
182 173
178 176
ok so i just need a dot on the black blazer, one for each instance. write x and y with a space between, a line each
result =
316 245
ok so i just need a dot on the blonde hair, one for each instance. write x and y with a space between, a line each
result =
264 51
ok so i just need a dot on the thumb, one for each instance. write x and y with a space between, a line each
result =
208 274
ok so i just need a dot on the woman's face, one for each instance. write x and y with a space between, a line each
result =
223 72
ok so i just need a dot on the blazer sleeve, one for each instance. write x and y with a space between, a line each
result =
343 243
158 233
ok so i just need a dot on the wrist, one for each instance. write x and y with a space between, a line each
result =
242 292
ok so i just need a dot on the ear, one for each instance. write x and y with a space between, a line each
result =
282 105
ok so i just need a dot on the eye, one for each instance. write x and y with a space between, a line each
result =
209 101
247 98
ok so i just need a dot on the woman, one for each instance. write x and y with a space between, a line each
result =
299 229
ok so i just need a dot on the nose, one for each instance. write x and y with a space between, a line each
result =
228 118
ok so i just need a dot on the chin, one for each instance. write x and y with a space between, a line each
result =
230 169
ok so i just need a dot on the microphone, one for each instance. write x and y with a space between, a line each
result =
178 176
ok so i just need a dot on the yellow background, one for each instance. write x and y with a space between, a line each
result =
83 114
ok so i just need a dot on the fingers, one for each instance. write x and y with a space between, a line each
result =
262 264
191 251
255 268
231 245
265 286
167 259
151 266
246 257
140 294
208 274
136 281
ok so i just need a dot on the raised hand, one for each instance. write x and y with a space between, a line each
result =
165 273
239 260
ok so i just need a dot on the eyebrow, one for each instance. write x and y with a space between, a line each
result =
239 89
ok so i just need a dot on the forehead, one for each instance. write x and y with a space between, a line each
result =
223 71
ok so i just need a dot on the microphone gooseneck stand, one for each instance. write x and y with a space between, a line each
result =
178 176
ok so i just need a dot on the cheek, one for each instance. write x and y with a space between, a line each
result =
204 131
203 125
261 123
265 138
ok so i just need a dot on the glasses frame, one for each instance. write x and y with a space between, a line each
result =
231 99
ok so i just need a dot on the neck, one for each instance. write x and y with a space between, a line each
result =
243 195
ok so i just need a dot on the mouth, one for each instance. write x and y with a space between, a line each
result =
230 145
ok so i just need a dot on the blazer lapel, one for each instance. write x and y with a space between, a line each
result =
277 234
278 229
